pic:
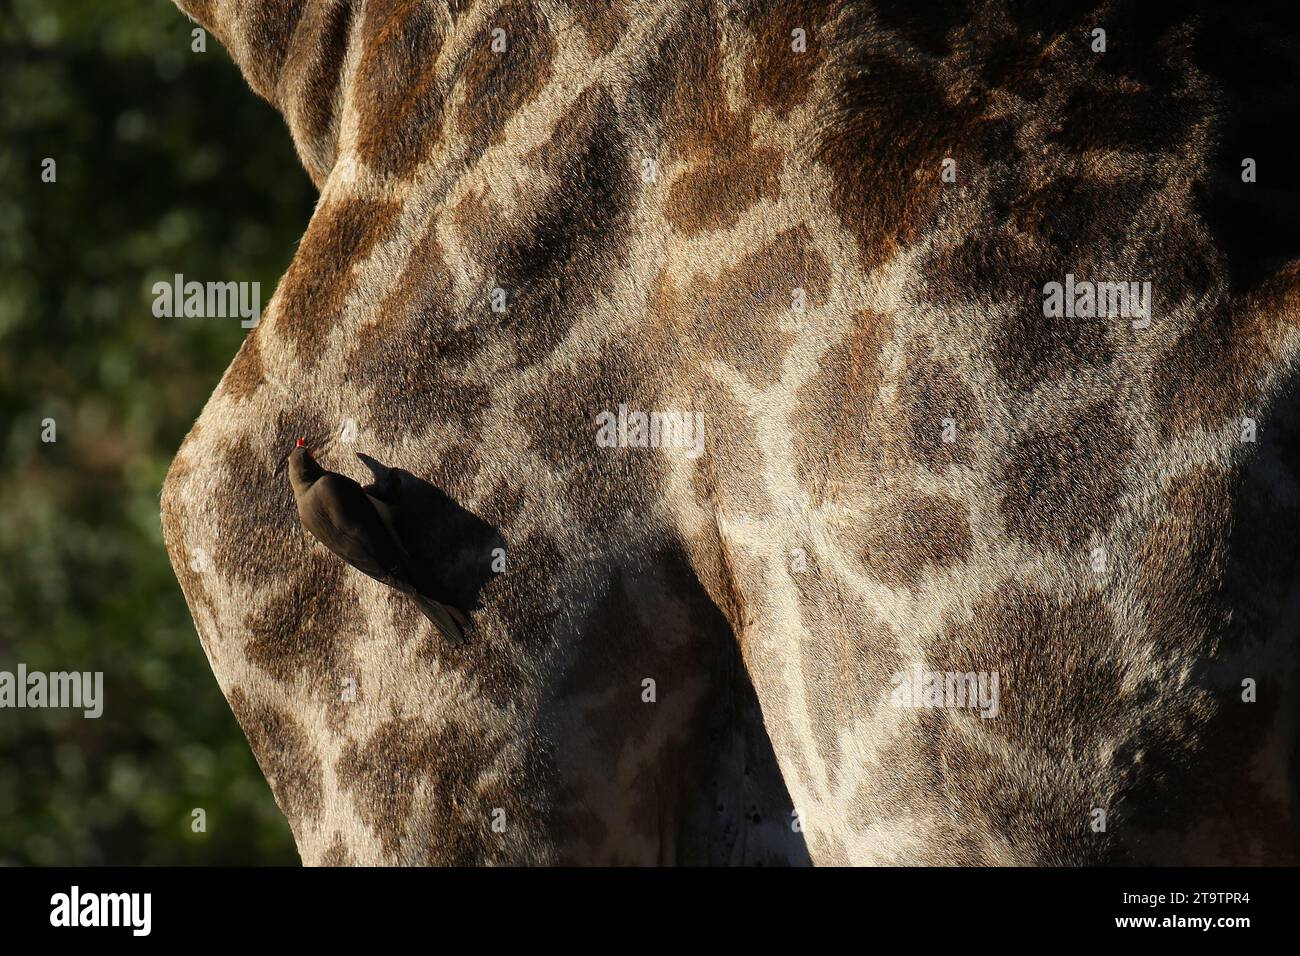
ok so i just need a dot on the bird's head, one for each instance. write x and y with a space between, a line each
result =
303 469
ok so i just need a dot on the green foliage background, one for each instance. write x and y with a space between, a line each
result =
167 163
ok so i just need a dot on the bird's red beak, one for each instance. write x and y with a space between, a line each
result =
301 442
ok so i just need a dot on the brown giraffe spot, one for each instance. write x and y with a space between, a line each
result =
268 29
776 76
886 145
405 618
316 63
1217 367
458 465
497 85
1012 66
1029 349
991 267
846 656
977 808
499 677
1185 261
410 355
684 87
608 482
1082 220
1197 384
729 475
1060 663
246 373
1180 560
572 246
933 392
912 790
1082 225
1103 120
1045 20
524 609
1061 697
833 440
258 535
913 539
256 518
337 854
384 774
479 223
1069 226
931 31
425 791
604 23
314 290
308 628
1060 487
285 755
714 194
496 658
396 92
737 315
685 91
505 506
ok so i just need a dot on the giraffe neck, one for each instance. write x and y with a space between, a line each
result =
830 233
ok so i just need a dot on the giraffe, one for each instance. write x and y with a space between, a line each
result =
815 246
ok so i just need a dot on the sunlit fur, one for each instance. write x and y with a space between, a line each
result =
653 185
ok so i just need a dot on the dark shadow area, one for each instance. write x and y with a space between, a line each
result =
1252 51
1222 589
1259 636
454 549
713 792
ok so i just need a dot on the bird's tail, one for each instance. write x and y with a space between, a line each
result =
450 622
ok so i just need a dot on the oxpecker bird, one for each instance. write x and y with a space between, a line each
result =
361 528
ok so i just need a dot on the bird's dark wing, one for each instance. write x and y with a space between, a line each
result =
388 514
343 518
358 528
